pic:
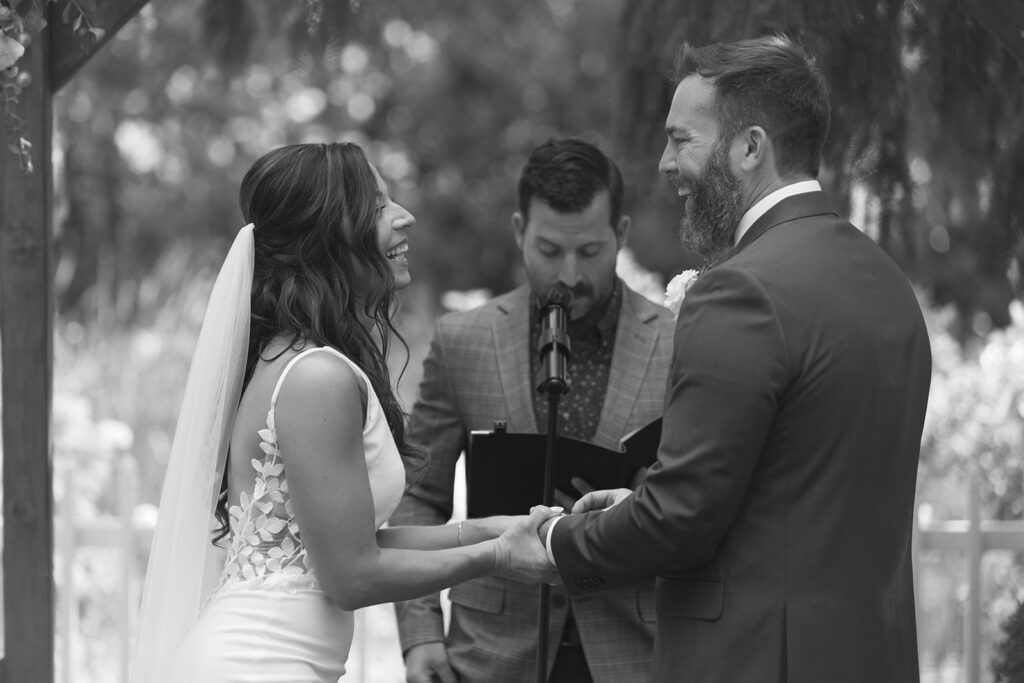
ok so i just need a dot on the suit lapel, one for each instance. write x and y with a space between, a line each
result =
634 347
512 343
789 209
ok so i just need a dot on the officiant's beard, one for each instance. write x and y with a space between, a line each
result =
714 208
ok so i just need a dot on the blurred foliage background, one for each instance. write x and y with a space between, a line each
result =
926 151
152 138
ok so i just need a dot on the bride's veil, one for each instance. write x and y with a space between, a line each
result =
183 563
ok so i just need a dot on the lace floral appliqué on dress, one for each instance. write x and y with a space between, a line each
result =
266 549
269 619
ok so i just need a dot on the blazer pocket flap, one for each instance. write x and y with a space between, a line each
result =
689 598
486 594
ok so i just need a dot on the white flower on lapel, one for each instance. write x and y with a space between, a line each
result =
675 292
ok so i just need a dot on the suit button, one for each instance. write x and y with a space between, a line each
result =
558 600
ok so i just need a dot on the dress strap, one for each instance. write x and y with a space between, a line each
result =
371 396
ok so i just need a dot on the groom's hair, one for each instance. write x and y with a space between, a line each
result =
769 82
566 174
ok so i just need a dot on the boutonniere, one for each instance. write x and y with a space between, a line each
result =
675 292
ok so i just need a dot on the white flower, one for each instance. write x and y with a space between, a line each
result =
676 290
10 51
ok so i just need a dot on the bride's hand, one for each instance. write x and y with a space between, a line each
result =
487 528
519 554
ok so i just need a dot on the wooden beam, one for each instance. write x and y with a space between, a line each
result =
26 366
71 52
1004 19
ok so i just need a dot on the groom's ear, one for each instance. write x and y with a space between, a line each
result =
755 148
518 229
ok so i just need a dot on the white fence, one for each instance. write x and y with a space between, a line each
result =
973 537
374 655
118 532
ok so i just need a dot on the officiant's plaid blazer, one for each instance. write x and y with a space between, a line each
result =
478 372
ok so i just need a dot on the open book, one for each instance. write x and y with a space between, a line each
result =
505 472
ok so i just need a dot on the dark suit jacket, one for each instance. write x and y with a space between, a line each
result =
477 372
779 518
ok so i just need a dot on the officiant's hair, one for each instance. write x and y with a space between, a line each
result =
566 174
319 269
770 82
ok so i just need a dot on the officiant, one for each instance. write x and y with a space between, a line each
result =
481 369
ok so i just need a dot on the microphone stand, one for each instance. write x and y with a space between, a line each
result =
554 355
544 615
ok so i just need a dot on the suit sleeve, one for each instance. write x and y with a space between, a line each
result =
728 372
435 423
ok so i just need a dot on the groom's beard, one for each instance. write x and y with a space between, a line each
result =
714 209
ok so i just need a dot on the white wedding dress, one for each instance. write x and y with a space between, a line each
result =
268 620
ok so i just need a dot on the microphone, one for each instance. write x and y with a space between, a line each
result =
554 348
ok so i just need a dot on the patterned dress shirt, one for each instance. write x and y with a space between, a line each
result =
592 342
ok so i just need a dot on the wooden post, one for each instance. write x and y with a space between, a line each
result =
26 350
26 338
70 52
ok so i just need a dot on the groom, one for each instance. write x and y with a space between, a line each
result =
778 521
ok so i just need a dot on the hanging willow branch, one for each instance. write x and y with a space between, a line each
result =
232 27
21 20
909 81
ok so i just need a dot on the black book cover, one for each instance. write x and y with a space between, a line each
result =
505 472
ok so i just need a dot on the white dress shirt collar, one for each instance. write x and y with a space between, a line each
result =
768 201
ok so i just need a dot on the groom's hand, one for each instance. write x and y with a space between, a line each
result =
600 500
567 500
519 554
428 663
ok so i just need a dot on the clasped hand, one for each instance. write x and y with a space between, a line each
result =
520 554
595 500
520 551
600 500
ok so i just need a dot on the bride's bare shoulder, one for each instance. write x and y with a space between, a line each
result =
321 372
322 382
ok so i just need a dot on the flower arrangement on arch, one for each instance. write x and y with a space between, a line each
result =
19 21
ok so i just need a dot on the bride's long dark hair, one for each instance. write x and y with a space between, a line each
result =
319 275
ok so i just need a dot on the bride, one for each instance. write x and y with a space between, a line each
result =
290 445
